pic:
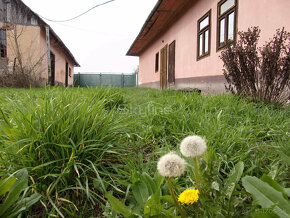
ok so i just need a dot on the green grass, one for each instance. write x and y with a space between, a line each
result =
79 143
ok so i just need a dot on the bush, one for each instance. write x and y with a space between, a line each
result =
20 78
261 73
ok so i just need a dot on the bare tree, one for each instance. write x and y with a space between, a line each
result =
27 63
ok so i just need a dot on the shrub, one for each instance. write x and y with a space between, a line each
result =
261 73
21 78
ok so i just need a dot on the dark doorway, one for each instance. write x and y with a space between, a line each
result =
171 63
52 65
66 74
163 67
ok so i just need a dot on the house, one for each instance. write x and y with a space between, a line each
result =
181 41
27 40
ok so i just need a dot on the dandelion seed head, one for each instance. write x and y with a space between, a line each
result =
193 146
171 165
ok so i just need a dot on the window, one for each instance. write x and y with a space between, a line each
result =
157 62
203 35
3 43
227 22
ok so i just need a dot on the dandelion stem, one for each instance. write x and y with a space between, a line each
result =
183 215
196 173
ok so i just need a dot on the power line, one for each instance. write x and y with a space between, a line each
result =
90 30
61 21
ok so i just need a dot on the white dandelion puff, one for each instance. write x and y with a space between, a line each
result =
171 165
193 146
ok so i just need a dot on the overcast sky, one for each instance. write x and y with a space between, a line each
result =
100 39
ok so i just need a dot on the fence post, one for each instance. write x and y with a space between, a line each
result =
79 80
123 81
137 78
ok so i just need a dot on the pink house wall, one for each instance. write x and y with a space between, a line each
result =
33 48
206 73
28 41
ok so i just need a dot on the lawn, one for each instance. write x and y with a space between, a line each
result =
93 152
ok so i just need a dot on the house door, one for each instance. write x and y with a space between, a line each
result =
52 64
66 74
171 64
163 67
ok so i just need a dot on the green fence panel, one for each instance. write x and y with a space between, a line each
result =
105 80
129 80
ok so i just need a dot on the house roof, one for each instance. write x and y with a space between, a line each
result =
163 14
57 39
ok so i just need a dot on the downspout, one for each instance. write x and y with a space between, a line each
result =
48 53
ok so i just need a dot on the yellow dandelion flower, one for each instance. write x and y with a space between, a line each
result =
188 196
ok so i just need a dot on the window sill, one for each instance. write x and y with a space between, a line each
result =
202 57
221 47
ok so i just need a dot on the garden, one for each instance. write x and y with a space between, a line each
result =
141 152
96 152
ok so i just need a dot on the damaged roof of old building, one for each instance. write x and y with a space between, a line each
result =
163 14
